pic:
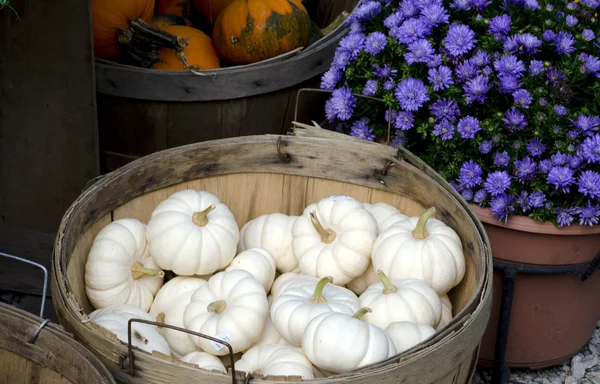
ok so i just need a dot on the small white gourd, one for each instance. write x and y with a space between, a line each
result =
338 342
401 300
272 232
364 281
231 307
168 307
334 237
421 248
276 360
446 312
270 335
257 261
385 215
192 233
295 307
119 268
205 361
406 334
291 279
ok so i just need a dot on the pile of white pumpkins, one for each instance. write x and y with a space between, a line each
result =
342 286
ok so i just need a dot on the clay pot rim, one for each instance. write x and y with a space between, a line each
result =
527 224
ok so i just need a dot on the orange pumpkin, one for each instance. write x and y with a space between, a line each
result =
110 16
165 20
248 31
171 7
199 51
210 9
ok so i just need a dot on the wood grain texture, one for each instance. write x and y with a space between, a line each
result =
252 178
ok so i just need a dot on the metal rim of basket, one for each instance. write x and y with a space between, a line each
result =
36 333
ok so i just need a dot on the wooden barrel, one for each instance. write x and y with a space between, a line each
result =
51 357
141 111
264 174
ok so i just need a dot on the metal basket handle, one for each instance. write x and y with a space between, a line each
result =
130 349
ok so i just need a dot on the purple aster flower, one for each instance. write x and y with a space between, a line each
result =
340 105
586 124
535 147
561 177
409 8
532 5
526 169
434 61
480 59
459 40
522 98
591 3
435 14
549 7
588 214
501 159
480 196
564 216
509 65
340 59
536 67
545 166
445 109
543 101
412 94
523 201
468 126
558 158
591 64
360 129
470 174
571 20
367 11
356 26
485 147
514 120
394 20
565 43
588 35
370 88
467 194
476 89
500 25
440 77
352 44
536 199
385 71
501 207
461 5
375 43
444 129
419 51
509 83
480 5
589 183
404 120
522 43
330 79
555 76
466 70
517 145
495 139
590 149
411 30
398 141
560 110
548 35
389 85
572 134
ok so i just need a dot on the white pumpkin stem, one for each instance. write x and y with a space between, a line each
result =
327 235
139 272
388 287
160 318
201 218
361 312
317 297
420 231
217 307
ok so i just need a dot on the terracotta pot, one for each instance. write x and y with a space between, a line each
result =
552 316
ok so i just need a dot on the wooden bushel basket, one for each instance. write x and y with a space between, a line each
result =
257 175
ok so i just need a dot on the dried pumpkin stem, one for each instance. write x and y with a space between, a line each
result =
420 231
160 318
201 218
217 307
139 272
361 312
327 235
388 287
317 297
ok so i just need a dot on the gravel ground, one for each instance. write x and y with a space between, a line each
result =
583 368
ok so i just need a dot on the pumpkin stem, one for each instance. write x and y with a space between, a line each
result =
420 231
388 287
317 297
160 318
361 312
201 218
327 235
335 23
139 272
217 307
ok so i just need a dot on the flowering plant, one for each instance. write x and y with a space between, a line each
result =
501 97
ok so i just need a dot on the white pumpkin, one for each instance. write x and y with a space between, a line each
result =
192 233
115 319
270 335
257 261
338 342
406 334
364 281
274 233
275 360
232 307
385 215
168 307
205 361
119 268
334 237
446 312
291 279
421 248
295 307
401 300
